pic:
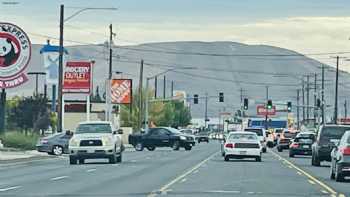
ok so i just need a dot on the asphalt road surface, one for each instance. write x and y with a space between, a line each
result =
163 172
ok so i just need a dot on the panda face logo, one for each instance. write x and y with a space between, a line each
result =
8 52
15 51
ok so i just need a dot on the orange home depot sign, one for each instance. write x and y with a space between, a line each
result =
77 77
121 91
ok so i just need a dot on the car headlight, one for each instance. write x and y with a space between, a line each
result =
107 141
182 138
74 142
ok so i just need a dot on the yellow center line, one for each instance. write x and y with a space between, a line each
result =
326 187
165 187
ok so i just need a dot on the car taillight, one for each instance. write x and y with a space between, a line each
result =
345 151
294 145
44 141
229 145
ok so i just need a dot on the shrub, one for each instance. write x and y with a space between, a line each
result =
19 140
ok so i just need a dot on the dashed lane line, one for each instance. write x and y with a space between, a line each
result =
320 183
58 178
311 182
166 187
9 188
91 170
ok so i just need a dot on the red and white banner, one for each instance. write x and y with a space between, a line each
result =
262 111
77 77
121 91
15 53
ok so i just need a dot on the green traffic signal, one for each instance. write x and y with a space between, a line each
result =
269 104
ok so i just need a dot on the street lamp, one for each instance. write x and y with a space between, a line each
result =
36 80
147 87
60 65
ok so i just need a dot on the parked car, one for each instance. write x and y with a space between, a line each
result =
242 144
56 144
284 140
340 159
161 137
261 133
202 137
327 136
96 140
301 144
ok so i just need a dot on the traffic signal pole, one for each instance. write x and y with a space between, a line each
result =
206 110
298 119
267 110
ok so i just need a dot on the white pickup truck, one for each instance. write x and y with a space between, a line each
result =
95 140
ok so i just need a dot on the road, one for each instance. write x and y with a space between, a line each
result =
163 172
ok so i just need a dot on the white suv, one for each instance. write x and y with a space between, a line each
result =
95 140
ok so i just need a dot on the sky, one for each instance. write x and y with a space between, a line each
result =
312 26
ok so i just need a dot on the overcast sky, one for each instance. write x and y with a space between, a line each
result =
310 26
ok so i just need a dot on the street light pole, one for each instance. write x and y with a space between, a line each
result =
336 93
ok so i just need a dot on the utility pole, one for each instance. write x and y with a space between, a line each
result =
2 110
345 109
140 96
322 95
206 111
315 97
36 80
110 51
298 118
266 109
155 87
303 91
307 98
108 84
172 89
60 108
164 87
336 93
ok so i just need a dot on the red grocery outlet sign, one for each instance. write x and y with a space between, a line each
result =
262 111
77 77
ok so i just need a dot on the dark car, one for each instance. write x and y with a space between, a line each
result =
56 144
284 140
301 145
202 137
340 159
161 137
322 148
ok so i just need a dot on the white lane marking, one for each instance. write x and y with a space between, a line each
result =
223 191
58 178
91 170
323 191
328 188
183 180
311 182
299 173
9 188
165 187
250 192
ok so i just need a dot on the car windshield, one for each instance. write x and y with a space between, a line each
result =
186 131
93 128
259 132
242 136
334 132
303 140
173 130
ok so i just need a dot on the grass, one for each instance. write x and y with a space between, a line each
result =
19 140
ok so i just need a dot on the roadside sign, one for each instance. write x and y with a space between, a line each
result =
262 111
121 91
15 53
77 77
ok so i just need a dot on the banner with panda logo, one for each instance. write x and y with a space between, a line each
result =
15 53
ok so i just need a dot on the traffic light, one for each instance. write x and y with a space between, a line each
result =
269 104
195 99
245 104
289 106
318 103
221 97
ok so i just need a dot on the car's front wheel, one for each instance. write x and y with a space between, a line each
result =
332 174
151 148
188 147
291 154
315 161
119 157
57 150
227 158
279 149
258 159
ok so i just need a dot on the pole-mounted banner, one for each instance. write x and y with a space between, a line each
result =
15 53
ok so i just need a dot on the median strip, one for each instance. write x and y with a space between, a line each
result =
323 185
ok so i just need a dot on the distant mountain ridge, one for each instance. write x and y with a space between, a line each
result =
240 68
